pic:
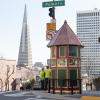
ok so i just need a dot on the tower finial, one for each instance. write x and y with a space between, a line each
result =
25 14
65 22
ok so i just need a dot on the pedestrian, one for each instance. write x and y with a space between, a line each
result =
13 84
21 86
47 76
42 78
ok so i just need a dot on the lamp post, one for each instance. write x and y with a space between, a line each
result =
88 69
88 72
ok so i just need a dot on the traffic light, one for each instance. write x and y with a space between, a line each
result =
52 12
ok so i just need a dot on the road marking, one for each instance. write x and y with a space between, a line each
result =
29 99
90 98
16 94
34 99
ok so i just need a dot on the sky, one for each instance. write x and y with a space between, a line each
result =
11 18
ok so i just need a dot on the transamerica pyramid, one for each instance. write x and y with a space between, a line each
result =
25 52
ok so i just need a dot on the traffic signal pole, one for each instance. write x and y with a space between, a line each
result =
54 10
52 5
53 20
51 26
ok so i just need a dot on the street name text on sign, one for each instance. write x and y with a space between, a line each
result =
53 3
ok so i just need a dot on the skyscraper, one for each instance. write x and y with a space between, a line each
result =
88 30
25 53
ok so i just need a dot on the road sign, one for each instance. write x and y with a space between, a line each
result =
53 3
51 26
50 35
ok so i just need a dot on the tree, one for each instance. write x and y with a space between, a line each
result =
96 83
1 84
8 75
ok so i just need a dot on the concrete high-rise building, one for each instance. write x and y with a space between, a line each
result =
25 53
88 30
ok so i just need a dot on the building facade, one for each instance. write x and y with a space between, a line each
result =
7 73
88 30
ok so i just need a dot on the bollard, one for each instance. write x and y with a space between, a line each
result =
71 86
49 86
61 87
80 88
53 83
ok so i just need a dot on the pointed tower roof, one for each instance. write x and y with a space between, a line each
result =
25 53
64 36
25 14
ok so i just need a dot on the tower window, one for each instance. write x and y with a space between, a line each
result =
73 51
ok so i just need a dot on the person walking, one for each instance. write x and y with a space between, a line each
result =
42 78
47 77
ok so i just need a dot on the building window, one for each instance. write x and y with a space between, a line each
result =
73 61
54 74
62 74
53 52
62 51
72 50
53 62
62 62
99 39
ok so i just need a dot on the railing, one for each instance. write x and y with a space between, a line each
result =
64 85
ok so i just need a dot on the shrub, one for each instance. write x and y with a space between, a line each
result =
96 83
32 81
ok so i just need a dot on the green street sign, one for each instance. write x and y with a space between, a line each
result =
53 3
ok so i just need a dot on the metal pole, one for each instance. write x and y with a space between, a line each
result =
54 10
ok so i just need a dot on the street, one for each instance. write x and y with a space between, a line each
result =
35 95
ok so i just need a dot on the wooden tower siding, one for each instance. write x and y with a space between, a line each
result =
65 37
